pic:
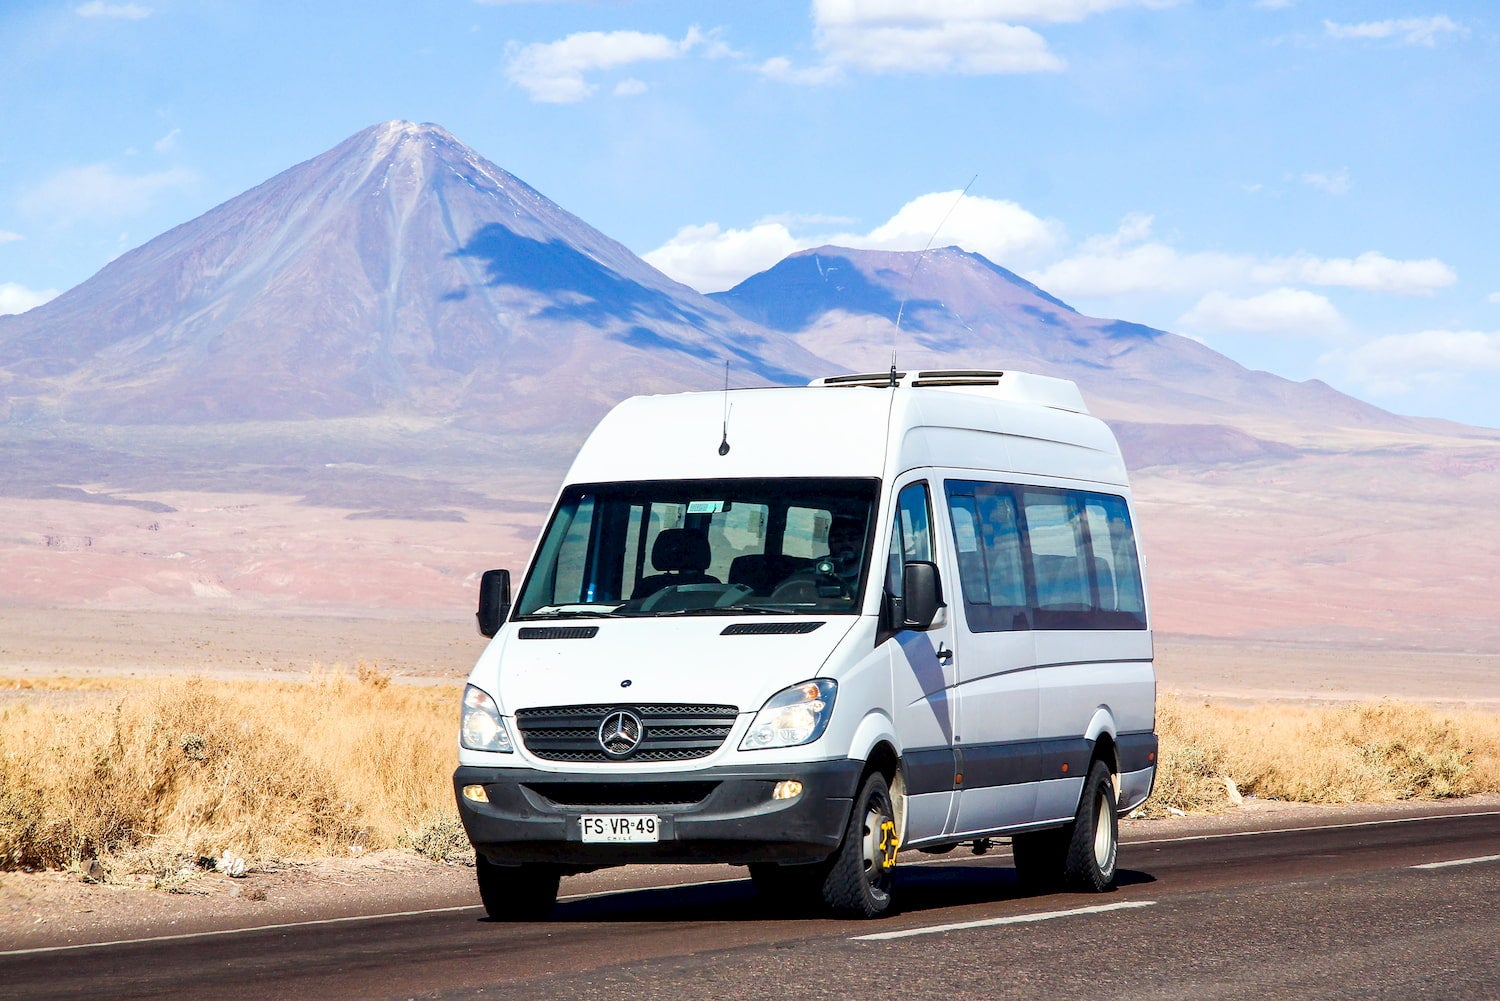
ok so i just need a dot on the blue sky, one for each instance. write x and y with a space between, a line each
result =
1306 186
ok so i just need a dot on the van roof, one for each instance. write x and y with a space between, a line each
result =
977 419
1015 387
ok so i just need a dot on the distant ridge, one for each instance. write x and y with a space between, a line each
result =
959 309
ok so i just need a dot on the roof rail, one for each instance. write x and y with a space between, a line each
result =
1021 387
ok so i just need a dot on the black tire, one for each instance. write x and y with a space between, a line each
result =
1039 857
857 878
1093 848
516 892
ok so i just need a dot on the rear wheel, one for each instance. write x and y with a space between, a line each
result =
1081 856
1094 845
857 878
516 892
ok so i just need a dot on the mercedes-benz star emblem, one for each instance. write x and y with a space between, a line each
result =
620 733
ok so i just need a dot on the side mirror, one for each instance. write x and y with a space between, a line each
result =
494 600
922 595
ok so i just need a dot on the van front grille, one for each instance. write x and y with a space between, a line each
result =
668 732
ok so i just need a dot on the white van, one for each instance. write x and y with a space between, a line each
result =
801 629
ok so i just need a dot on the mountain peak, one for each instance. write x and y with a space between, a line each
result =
399 271
404 139
880 285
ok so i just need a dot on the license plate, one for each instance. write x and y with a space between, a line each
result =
616 827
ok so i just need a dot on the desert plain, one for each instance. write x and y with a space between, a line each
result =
1350 568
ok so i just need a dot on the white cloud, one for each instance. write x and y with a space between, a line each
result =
1423 31
1401 362
1000 230
18 298
1130 261
8 237
711 259
780 68
1371 271
99 191
969 37
1334 183
1279 311
168 142
554 72
630 87
1149 268
121 11
974 48
1494 297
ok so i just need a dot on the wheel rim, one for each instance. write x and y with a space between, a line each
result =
879 845
1104 835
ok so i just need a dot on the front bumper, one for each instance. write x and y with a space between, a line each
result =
721 814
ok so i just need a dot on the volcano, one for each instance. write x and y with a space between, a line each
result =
399 272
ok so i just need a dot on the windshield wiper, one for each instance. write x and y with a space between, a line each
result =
758 610
723 610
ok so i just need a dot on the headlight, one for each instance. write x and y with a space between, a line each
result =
797 715
480 728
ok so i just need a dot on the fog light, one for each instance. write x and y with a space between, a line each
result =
476 794
787 789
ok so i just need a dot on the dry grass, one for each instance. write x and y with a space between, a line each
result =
1364 753
153 780
170 775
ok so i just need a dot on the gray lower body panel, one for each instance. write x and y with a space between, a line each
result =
713 815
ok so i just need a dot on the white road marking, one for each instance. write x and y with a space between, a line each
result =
237 931
1459 861
1015 919
1307 830
708 882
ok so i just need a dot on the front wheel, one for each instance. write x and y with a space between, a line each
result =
1095 843
857 879
516 892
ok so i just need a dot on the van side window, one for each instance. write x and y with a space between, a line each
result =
1044 558
987 536
1058 560
1117 570
911 535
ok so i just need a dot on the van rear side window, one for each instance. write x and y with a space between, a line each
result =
1043 558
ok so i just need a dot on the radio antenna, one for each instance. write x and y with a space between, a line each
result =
724 444
896 333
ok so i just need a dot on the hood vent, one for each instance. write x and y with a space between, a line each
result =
557 632
769 628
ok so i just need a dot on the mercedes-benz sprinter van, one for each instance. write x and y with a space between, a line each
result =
805 629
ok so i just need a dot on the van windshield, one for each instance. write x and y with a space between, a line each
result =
788 546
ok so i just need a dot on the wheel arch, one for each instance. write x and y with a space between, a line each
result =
1101 735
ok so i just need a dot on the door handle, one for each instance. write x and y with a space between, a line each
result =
944 655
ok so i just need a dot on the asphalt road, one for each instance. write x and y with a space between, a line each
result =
1406 908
